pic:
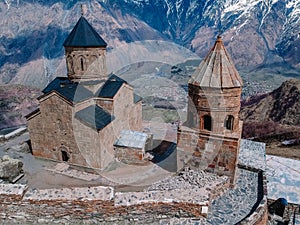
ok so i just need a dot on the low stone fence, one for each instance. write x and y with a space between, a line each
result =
187 195
97 203
183 201
12 134
196 197
11 192
71 194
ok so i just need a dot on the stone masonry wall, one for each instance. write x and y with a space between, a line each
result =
88 144
161 201
93 61
214 153
218 103
86 203
209 135
128 114
135 120
106 104
129 155
51 131
107 138
96 147
55 129
259 216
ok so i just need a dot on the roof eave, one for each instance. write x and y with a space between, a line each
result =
34 113
40 98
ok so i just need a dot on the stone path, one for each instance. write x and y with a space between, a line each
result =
189 179
63 168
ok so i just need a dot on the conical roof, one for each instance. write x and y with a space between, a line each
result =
217 69
84 35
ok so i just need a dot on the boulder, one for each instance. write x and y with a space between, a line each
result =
10 168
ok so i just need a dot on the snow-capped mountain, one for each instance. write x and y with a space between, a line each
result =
261 35
255 31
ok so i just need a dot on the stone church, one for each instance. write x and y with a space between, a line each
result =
81 116
212 132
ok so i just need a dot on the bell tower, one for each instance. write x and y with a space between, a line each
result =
85 53
213 128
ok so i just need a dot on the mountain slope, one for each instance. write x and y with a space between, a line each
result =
32 34
255 31
282 105
16 101
262 36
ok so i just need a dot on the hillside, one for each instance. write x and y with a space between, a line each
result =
274 119
16 101
261 36
281 105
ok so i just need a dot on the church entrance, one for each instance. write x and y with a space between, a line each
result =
65 156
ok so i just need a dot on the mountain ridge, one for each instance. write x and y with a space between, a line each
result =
257 34
281 105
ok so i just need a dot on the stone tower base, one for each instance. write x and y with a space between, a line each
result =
212 152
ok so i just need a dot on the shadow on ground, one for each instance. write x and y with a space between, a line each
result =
165 155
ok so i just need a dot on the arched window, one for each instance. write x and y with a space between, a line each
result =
229 122
207 122
82 64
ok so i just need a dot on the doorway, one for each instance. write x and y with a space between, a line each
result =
65 156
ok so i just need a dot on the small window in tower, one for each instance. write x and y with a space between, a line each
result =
207 122
82 64
229 122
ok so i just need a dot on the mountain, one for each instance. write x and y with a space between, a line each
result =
255 31
274 119
262 36
16 101
281 105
